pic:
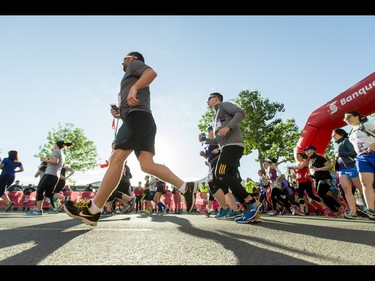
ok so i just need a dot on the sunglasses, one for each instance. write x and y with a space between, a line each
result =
347 117
210 98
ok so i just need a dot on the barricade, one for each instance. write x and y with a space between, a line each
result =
29 200
22 201
15 196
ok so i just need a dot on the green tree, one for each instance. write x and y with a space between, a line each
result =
82 156
263 129
206 120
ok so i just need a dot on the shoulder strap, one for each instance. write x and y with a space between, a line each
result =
363 129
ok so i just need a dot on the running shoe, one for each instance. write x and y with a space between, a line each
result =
190 194
34 212
81 211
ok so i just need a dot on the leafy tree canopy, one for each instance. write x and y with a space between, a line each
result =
81 156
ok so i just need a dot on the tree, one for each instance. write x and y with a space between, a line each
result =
206 120
264 131
81 156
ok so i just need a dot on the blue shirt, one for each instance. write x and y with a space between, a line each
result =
9 167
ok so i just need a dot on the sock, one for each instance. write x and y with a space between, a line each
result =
160 206
182 189
94 209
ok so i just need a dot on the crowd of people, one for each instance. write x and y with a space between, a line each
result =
309 182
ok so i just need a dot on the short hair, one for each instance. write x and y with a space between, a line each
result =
220 96
137 55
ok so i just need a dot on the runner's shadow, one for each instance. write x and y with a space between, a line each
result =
31 244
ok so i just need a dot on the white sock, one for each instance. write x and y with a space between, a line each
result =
182 189
94 209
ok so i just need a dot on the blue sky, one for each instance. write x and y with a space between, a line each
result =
68 69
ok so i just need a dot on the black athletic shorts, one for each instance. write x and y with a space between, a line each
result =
137 133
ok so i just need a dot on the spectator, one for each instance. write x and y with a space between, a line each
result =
138 192
89 187
66 188
27 191
15 187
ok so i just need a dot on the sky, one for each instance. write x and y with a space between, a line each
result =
67 69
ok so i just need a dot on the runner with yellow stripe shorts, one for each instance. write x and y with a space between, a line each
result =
229 138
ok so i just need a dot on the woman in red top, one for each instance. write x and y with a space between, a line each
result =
304 183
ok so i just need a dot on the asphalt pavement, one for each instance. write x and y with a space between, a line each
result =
187 239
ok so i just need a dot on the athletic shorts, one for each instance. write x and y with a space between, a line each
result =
366 162
349 172
137 133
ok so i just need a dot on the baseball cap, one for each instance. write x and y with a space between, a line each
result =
310 147
267 160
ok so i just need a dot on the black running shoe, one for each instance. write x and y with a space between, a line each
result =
190 193
81 211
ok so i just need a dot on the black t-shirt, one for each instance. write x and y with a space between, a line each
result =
318 161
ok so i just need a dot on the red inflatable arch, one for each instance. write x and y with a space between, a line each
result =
319 126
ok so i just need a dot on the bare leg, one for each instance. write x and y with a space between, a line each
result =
5 198
367 180
346 185
229 198
111 177
146 160
220 198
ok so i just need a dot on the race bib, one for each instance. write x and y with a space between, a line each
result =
210 177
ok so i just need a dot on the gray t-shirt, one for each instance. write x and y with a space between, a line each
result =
55 170
133 72
227 115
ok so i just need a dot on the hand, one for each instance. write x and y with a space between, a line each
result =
223 131
370 148
132 97
215 151
200 137
115 113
